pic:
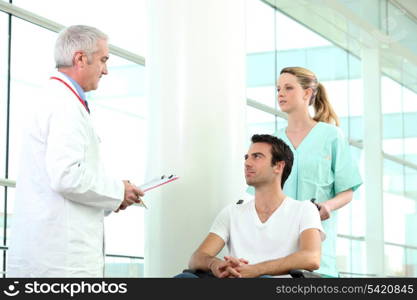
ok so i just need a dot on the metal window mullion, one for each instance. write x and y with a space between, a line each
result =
9 46
124 256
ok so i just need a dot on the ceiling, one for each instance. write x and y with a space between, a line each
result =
409 5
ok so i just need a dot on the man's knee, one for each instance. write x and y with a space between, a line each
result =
186 275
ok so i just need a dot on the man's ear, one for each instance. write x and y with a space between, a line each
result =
78 59
279 166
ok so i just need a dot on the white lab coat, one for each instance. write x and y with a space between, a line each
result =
62 192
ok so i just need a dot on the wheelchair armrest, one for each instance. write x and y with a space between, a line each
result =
300 273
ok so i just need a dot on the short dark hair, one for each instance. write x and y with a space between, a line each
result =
280 152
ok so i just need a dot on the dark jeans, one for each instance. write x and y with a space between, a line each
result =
203 274
195 274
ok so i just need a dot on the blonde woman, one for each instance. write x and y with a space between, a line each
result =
323 168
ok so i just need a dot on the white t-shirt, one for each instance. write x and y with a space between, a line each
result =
247 237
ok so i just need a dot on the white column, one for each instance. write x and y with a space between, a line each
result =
373 135
196 85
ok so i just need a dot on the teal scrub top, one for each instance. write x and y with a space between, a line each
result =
322 168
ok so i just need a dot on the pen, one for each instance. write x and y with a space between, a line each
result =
143 203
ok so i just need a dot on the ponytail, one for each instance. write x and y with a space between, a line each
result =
323 109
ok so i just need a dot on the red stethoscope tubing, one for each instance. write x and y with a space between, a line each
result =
75 93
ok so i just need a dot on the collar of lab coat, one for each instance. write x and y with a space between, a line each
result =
66 80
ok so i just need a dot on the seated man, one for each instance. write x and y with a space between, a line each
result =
269 235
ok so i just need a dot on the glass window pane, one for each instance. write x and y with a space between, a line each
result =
344 257
124 21
411 262
2 216
358 204
351 258
346 97
410 100
393 121
121 98
259 122
394 261
410 132
351 218
259 18
410 187
410 148
397 209
10 209
401 26
338 92
263 94
261 56
358 254
123 267
368 10
27 82
403 148
2 264
284 40
410 220
393 179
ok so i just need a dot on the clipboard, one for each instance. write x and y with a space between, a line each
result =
155 183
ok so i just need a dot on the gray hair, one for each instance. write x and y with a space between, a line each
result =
76 38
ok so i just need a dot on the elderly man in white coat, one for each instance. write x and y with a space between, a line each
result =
63 191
